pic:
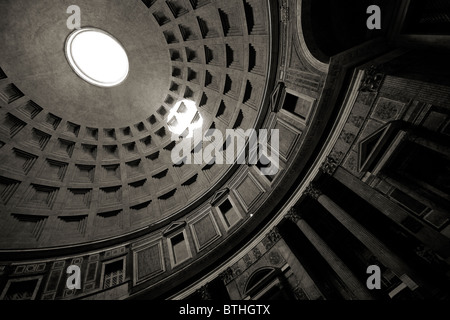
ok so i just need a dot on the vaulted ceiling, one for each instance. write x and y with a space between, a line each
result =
80 163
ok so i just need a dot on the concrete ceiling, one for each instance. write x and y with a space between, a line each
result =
34 33
71 151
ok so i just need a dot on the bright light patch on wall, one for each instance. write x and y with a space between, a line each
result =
184 118
97 57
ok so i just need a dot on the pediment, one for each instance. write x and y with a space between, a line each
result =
173 227
371 146
219 195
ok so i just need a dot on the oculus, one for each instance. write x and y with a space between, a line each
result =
97 57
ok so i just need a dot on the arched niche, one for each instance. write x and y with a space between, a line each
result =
268 283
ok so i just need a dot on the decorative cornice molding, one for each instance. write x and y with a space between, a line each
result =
204 292
329 166
373 79
276 97
219 195
293 215
174 226
226 276
284 12
313 192
274 235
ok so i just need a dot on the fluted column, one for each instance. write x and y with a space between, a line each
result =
427 235
379 250
356 289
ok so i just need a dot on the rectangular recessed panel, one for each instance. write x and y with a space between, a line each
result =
53 280
168 200
436 219
74 224
2 74
30 109
39 196
248 191
205 231
178 7
252 94
109 220
193 76
199 3
91 271
235 56
84 173
88 152
412 224
140 127
153 156
72 129
225 111
175 55
149 262
232 86
149 3
170 37
288 138
177 72
139 189
27 225
11 125
134 168
188 32
64 148
409 202
39 139
7 188
169 100
52 121
215 55
193 56
21 161
10 93
111 152
161 17
256 17
207 27
257 59
146 142
109 134
212 80
130 149
141 212
161 132
79 199
111 195
126 132
21 289
231 22
239 120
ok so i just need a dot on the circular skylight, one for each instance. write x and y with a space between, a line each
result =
97 57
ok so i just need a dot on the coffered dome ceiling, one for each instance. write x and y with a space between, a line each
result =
80 163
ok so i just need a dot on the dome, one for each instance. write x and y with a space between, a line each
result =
106 152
